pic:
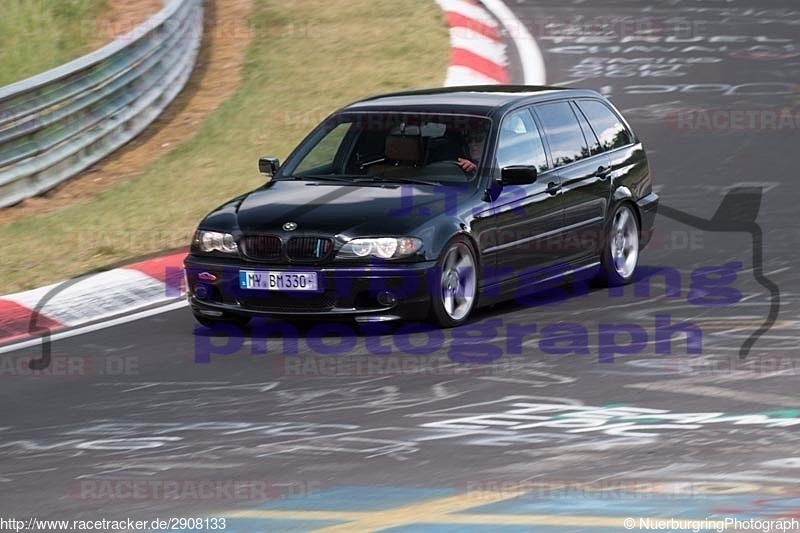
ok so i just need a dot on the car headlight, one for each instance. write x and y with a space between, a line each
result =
214 241
381 247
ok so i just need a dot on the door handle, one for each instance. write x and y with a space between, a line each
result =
553 187
602 172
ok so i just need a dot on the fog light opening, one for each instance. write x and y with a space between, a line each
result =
387 299
202 292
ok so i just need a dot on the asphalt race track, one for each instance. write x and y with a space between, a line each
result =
140 419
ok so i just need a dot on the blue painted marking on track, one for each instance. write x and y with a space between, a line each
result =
494 528
357 498
378 499
621 504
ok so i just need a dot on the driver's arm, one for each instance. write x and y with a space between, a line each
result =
467 165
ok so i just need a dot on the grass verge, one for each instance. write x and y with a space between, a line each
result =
37 35
306 59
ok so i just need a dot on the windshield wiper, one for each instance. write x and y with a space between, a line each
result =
317 177
399 179
357 178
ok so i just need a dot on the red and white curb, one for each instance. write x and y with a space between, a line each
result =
477 50
478 33
91 298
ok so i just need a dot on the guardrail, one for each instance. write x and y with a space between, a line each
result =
56 124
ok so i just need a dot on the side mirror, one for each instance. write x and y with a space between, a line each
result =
268 166
518 175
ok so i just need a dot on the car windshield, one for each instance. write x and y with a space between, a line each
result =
425 148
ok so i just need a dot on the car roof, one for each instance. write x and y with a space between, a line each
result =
477 99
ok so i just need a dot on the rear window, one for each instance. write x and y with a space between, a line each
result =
564 134
611 132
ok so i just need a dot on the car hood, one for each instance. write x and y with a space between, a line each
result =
331 208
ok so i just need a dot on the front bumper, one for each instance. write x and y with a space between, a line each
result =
362 292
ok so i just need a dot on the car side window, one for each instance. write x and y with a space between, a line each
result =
567 143
520 142
588 133
610 130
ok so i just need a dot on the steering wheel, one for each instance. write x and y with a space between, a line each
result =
450 163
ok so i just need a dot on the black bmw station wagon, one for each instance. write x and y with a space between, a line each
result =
426 204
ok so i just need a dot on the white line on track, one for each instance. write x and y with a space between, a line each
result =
95 327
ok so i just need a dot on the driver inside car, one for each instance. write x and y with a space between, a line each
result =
475 144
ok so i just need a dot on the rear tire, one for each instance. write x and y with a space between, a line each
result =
621 248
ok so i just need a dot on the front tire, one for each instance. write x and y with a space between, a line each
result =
621 249
454 291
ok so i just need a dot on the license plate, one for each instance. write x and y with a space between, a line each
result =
276 280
